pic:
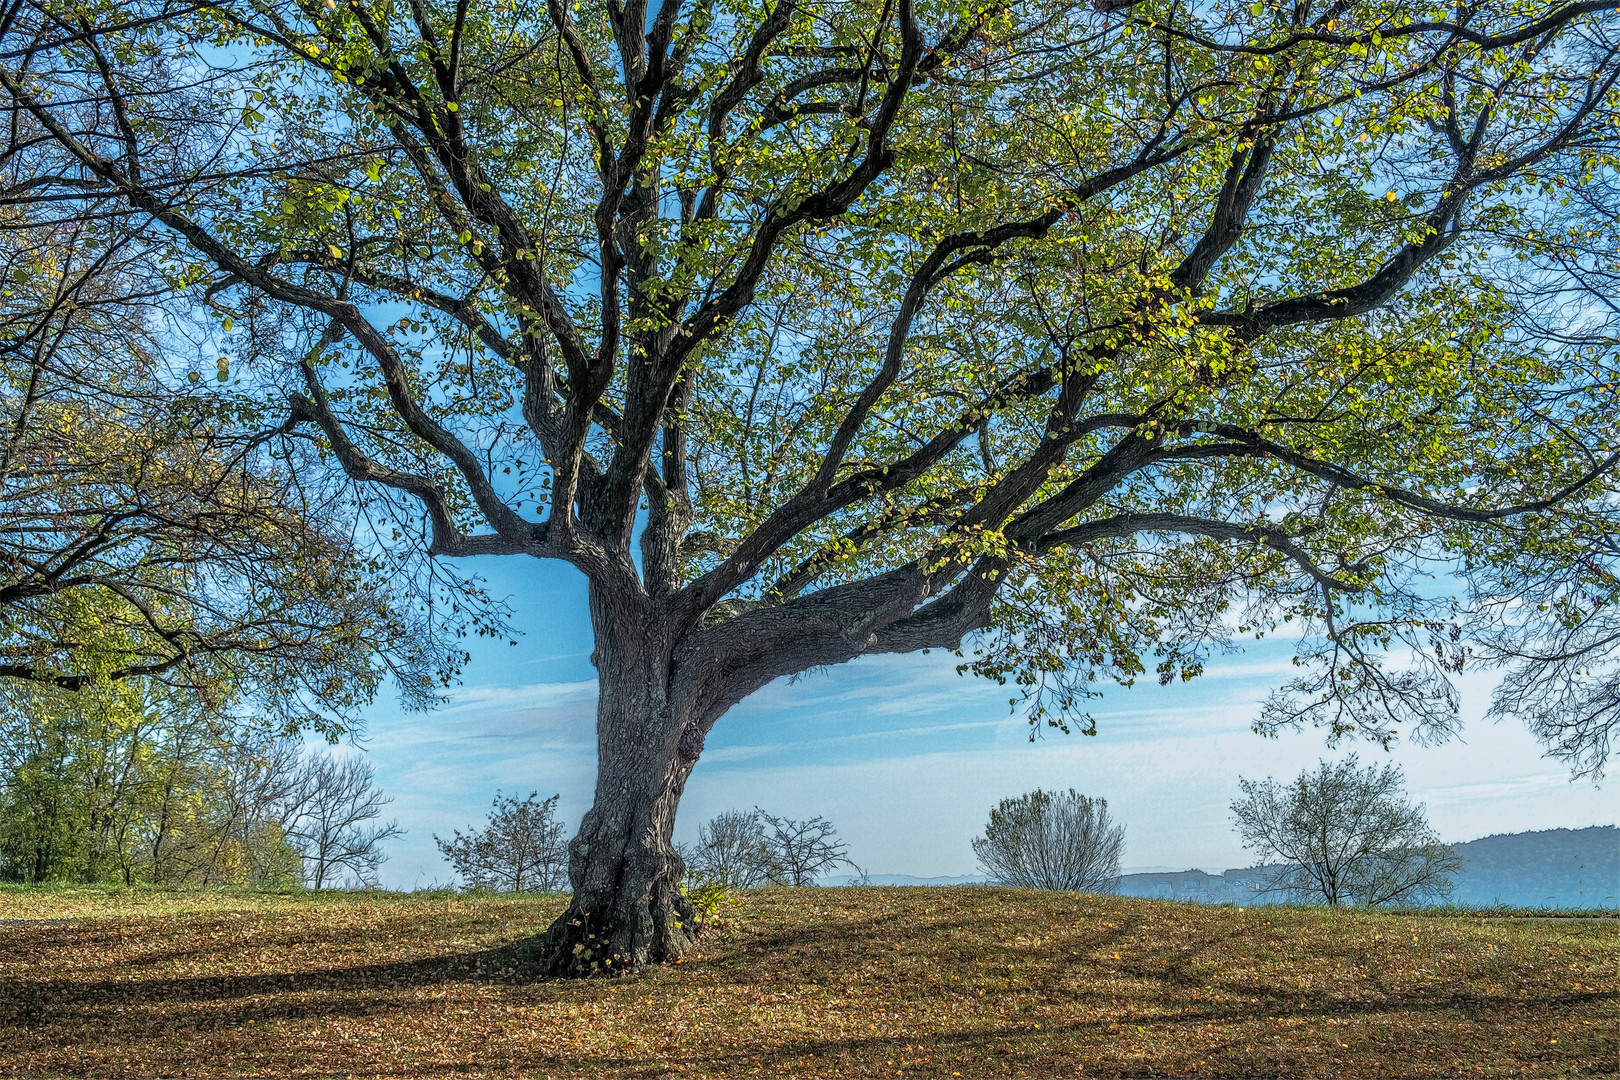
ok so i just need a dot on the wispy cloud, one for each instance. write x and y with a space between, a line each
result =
798 748
532 696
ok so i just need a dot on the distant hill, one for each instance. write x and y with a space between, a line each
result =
1231 887
1568 868
1553 868
904 879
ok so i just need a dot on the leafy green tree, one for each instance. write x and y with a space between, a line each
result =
1345 835
133 781
1091 337
72 772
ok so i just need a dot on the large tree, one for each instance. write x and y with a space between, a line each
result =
1094 337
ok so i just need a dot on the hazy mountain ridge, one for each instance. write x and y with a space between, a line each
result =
1554 868
1551 868
904 879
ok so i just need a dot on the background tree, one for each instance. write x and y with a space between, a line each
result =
800 851
732 849
235 830
331 818
1042 840
78 780
1089 338
522 849
137 782
1345 835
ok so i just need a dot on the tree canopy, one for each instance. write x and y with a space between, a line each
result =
1098 337
146 528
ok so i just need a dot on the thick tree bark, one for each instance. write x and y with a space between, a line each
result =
628 909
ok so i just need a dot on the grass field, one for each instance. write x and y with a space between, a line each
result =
813 982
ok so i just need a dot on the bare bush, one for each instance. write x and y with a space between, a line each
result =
731 849
801 851
1042 840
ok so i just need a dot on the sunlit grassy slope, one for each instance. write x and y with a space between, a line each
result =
812 982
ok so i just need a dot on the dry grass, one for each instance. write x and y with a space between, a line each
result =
830 982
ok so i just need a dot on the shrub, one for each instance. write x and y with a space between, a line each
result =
1042 840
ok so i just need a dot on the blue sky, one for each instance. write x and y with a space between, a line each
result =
906 757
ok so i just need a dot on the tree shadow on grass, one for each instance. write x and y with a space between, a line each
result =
1172 973
110 1008
905 953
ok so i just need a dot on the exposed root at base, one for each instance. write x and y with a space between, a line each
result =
575 948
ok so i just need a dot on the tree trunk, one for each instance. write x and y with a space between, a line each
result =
628 909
